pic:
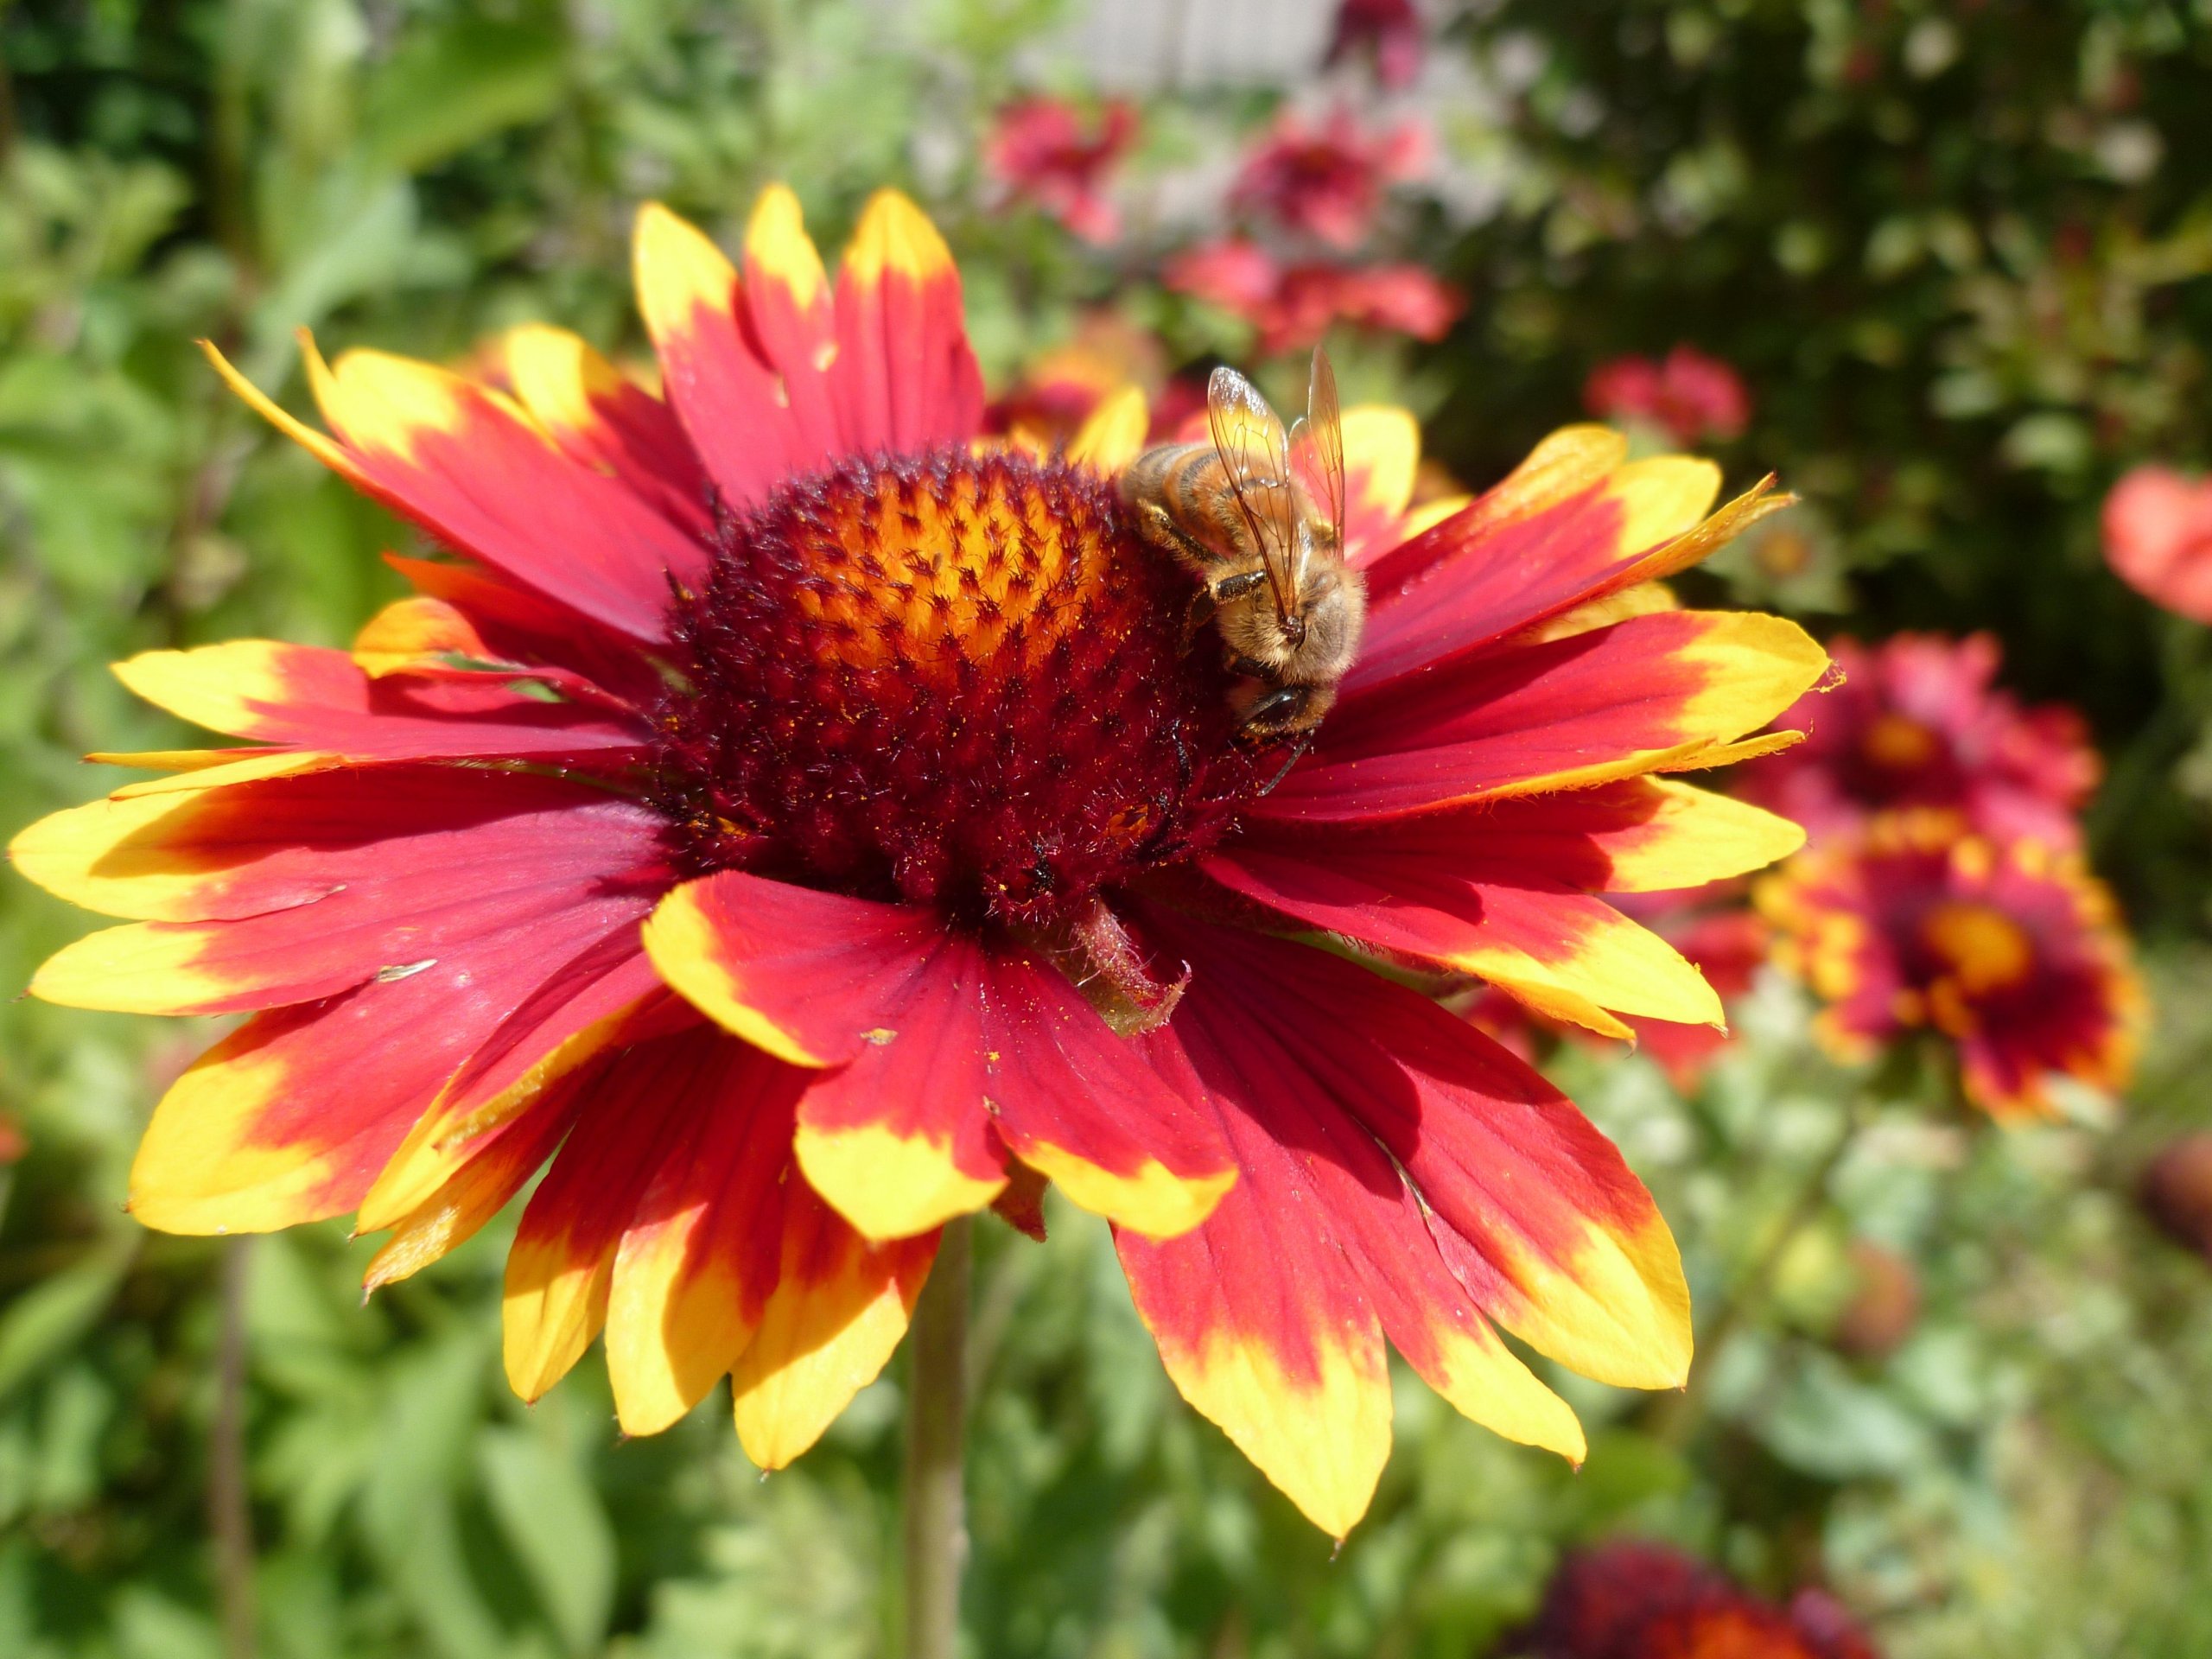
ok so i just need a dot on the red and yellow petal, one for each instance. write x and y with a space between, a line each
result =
698 1257
474 1191
904 378
312 699
323 884
1533 1209
1661 692
792 318
605 420
940 1052
726 397
635 1114
674 1220
1271 1315
290 1118
470 468
1573 523
1503 890
608 996
1265 1334
1113 434
840 1306
232 851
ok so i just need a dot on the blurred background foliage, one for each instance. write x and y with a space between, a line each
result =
1959 254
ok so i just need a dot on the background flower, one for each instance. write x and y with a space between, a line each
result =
2157 527
1692 398
1325 178
2010 950
1919 722
1388 32
1047 154
1631 1600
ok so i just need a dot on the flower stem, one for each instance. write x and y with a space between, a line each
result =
229 1519
936 1416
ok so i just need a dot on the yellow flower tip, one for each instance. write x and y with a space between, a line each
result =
318 444
1662 497
887 1186
896 236
1155 1201
1113 434
678 269
684 946
777 246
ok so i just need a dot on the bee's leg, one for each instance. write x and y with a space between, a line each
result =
1237 586
1244 667
1203 606
1297 753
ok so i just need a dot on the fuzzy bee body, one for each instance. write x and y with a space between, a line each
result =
1236 513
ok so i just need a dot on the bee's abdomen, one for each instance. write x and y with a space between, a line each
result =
1155 474
1181 479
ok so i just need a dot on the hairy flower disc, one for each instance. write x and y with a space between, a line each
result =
949 679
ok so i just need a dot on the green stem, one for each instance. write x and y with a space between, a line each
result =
935 1541
229 1519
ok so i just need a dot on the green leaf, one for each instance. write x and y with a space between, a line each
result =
559 1531
452 87
50 1319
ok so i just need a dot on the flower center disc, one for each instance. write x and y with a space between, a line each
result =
949 679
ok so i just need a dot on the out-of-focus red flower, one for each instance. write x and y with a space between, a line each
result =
1633 1600
1326 179
2011 949
2176 1190
1392 299
1885 1305
1061 387
1388 30
1047 153
1917 722
1694 397
1293 305
2158 538
13 1143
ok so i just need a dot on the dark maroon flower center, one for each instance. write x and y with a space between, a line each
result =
949 679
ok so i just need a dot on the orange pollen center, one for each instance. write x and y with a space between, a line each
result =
1984 949
1899 742
949 679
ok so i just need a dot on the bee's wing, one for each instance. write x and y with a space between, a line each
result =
1256 453
1317 442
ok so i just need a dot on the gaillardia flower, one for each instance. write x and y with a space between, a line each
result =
2158 528
1634 1601
1326 178
1918 723
796 822
2011 949
1045 152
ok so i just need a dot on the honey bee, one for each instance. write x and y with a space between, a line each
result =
1238 513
